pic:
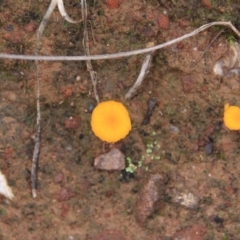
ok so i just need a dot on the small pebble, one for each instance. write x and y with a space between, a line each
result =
113 160
72 80
58 178
163 21
151 192
149 44
113 4
72 123
65 194
186 199
69 148
90 106
218 125
9 28
207 4
31 26
151 105
188 83
78 78
174 128
209 148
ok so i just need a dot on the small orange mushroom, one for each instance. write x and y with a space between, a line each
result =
232 117
110 121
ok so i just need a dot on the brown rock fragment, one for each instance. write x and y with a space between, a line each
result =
163 21
67 90
113 3
65 194
209 131
13 37
206 3
180 45
188 83
58 178
72 123
31 26
64 209
113 160
148 197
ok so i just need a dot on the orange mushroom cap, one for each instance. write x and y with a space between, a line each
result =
232 117
110 121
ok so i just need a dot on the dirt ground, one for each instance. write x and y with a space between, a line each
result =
185 142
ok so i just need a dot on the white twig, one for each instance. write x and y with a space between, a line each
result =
36 150
64 14
93 74
45 19
144 71
48 14
209 45
121 54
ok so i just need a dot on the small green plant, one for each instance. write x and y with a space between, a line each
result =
231 39
150 147
131 167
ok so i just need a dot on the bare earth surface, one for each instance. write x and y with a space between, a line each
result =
184 183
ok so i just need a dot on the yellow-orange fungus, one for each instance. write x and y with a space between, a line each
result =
232 117
110 121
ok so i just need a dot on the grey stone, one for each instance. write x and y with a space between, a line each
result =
113 160
186 199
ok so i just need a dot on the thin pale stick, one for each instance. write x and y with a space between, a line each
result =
46 17
36 151
49 12
92 32
93 74
143 72
121 54
64 14
208 46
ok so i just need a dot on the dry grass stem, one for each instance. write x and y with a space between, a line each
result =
208 46
36 151
37 139
93 74
144 71
49 12
122 54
